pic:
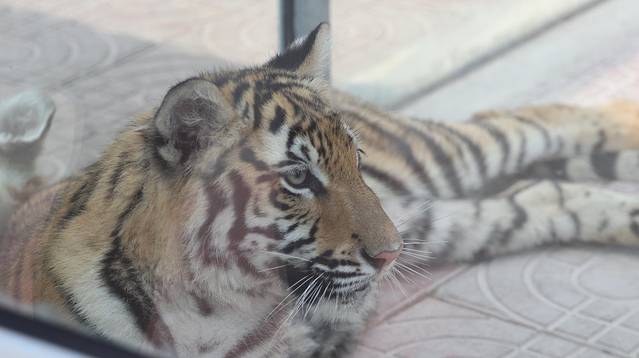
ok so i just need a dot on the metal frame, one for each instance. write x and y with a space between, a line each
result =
299 17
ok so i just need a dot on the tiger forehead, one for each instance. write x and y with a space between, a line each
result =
261 86
283 104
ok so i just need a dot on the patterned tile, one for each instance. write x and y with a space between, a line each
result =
410 289
139 84
593 302
435 328
53 56
443 330
29 16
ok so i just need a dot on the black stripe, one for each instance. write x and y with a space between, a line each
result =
278 204
603 225
387 179
294 157
291 246
404 150
239 91
248 155
577 222
561 200
309 104
293 133
297 244
443 133
341 274
70 302
553 231
245 111
278 120
634 226
223 78
333 263
123 163
522 149
122 277
531 122
442 158
475 149
558 168
81 196
604 164
305 151
257 110
273 85
501 237
291 228
499 137
260 97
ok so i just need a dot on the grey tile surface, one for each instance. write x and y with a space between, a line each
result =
591 302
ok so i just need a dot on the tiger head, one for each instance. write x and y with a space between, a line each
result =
275 180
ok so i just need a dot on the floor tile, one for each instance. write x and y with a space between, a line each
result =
593 301
51 57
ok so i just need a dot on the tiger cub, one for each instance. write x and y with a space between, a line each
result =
255 212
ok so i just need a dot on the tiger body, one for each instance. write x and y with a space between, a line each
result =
256 211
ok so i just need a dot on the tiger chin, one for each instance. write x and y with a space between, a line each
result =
233 221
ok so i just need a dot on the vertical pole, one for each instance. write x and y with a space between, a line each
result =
299 17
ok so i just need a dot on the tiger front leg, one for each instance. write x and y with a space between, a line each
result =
532 214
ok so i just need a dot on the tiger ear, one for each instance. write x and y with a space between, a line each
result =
309 56
192 114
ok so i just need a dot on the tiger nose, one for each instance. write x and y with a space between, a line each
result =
382 259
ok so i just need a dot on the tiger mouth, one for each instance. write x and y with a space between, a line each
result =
312 285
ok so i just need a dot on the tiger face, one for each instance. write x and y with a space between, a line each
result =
274 176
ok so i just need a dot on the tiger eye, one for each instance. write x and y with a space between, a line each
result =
297 178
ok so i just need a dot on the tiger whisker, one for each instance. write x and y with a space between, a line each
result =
417 254
299 302
299 284
321 298
427 241
402 275
426 257
425 275
302 301
315 295
273 268
416 250
392 278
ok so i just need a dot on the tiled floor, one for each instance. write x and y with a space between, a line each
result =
105 61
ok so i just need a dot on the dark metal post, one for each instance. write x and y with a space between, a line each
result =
299 17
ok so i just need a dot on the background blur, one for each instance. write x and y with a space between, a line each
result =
104 61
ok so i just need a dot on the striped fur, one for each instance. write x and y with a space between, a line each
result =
242 217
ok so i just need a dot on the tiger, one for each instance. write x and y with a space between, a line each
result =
256 211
